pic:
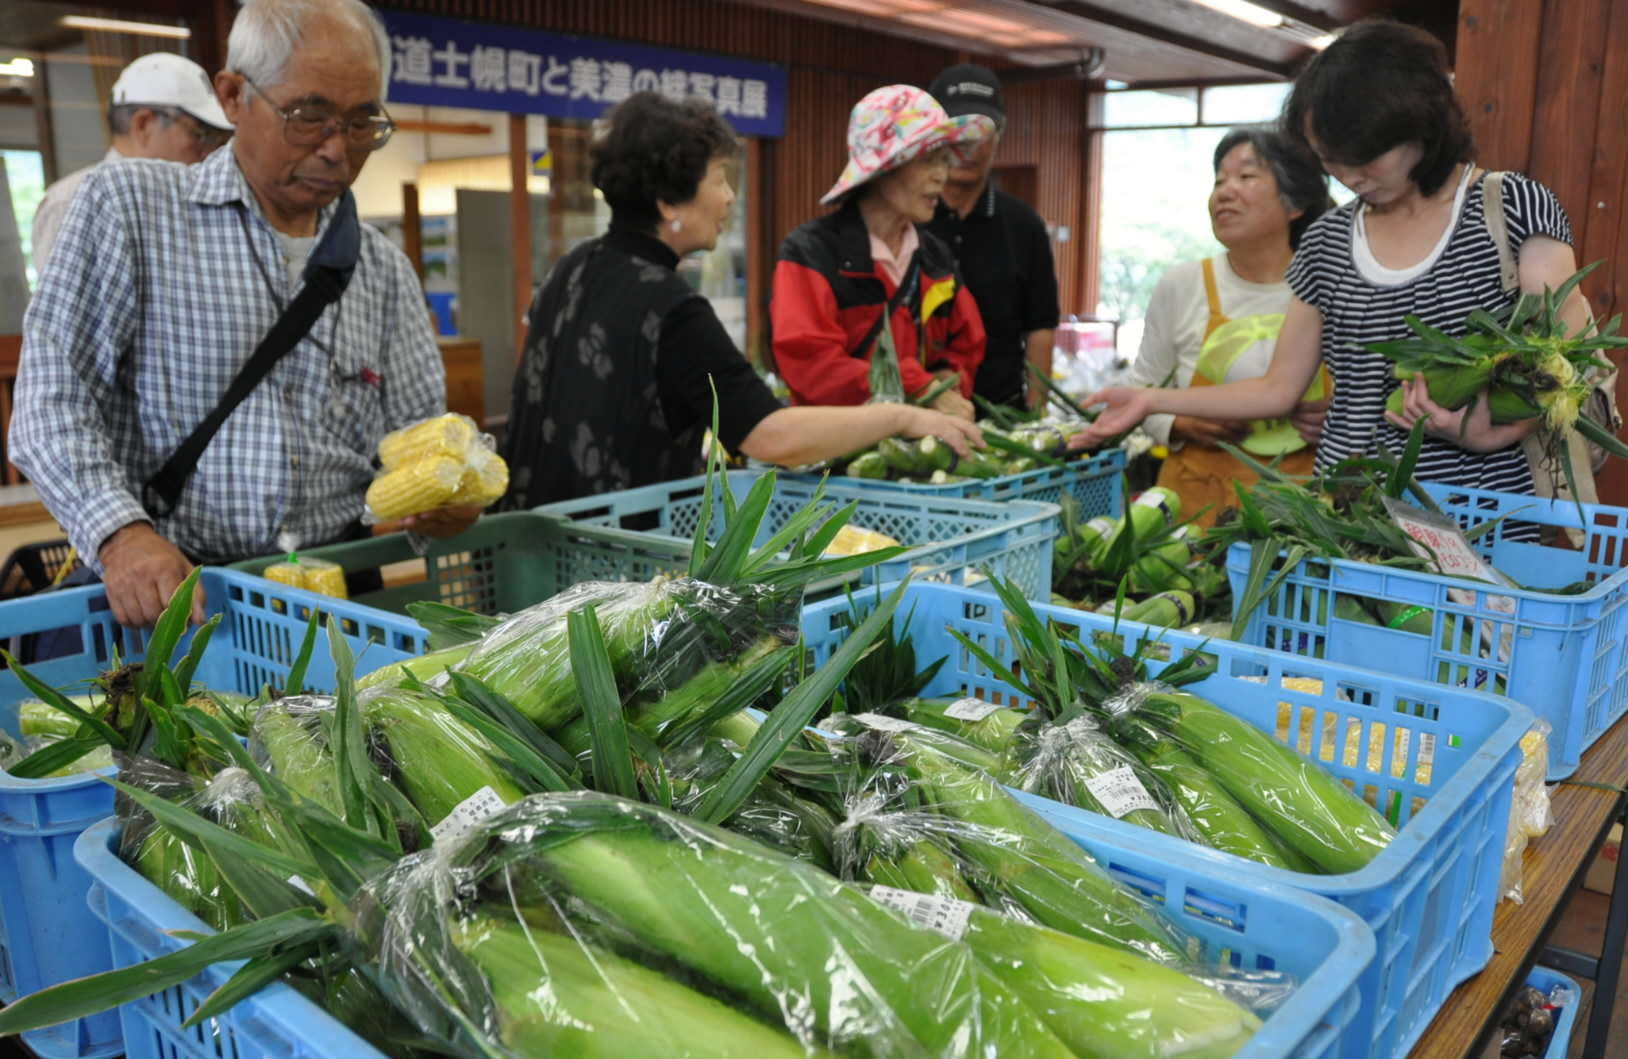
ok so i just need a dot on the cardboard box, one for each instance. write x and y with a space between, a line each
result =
1603 871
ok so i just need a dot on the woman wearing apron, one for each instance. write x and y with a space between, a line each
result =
1217 320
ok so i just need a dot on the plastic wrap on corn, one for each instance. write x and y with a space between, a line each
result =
445 435
486 479
583 924
414 488
855 540
1529 815
314 575
438 462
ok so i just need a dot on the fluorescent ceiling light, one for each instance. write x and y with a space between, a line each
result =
1245 11
119 25
1321 42
17 68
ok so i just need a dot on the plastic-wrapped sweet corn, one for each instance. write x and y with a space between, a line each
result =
486 478
415 487
445 435
314 575
325 578
854 540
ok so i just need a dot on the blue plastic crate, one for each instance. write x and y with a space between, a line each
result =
949 539
1241 920
1544 979
1568 655
140 920
1446 760
45 936
1093 483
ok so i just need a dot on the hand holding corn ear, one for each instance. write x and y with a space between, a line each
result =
1469 426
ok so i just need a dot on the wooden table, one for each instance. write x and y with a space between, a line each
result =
1553 869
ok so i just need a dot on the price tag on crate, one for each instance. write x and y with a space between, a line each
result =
944 914
1120 792
1438 538
970 710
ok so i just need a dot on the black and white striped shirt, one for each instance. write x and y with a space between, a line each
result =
1357 312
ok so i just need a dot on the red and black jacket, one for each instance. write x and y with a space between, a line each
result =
828 296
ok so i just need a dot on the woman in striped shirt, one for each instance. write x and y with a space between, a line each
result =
1378 109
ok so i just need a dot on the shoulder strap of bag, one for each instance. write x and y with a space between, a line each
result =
1492 208
326 275
905 293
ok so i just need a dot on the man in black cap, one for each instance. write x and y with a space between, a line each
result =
1002 247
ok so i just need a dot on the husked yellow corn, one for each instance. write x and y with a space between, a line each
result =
314 575
856 540
486 478
325 578
288 573
445 435
415 487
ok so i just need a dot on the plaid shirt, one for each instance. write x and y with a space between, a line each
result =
161 285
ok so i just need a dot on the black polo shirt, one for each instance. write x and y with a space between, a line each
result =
1004 255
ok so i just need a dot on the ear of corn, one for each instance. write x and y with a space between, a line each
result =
449 435
485 480
853 974
994 731
438 760
556 996
1301 802
414 488
1035 866
1224 823
1103 1002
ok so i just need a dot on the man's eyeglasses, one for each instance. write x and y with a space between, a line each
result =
207 136
308 124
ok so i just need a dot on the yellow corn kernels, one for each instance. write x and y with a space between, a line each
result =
486 479
446 435
314 575
415 487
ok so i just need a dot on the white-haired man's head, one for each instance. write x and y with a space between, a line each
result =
304 87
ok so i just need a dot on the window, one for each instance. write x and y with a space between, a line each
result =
1157 148
25 179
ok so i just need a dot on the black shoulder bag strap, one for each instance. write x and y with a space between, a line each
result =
905 293
326 275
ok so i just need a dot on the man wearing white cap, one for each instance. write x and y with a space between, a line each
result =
163 107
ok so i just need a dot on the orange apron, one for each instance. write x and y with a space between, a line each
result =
1204 476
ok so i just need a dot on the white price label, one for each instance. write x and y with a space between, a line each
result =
883 724
970 710
1120 792
1427 748
1439 539
945 915
469 813
1153 500
301 885
1101 526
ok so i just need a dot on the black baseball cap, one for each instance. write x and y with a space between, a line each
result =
969 89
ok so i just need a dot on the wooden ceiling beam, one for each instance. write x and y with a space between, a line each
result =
1164 35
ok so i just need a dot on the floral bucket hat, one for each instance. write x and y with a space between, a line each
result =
894 126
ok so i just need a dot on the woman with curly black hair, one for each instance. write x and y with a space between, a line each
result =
623 358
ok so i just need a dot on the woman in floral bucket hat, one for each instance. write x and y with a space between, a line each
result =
867 305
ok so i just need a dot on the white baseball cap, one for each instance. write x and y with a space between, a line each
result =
164 79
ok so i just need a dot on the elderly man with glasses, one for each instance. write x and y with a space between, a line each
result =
150 413
163 107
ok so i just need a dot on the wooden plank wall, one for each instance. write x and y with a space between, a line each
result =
1046 128
1545 93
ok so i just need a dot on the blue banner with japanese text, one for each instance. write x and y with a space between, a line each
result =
449 63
